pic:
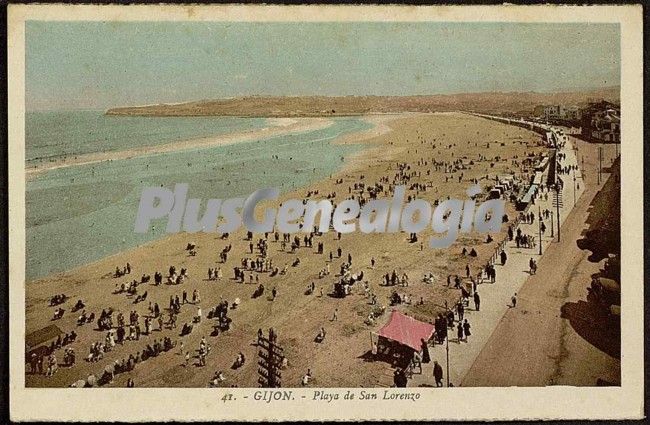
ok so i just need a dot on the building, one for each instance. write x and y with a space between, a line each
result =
571 114
601 121
560 113
606 126
552 112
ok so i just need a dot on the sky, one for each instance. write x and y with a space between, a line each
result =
98 65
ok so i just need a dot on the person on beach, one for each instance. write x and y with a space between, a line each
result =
306 378
51 365
399 378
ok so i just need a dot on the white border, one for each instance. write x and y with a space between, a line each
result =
458 403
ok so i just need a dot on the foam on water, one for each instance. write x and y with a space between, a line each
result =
55 134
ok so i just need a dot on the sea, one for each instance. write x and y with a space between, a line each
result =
79 214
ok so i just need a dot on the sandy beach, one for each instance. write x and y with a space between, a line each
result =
486 148
277 127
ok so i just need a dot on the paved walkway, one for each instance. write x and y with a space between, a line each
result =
554 336
495 298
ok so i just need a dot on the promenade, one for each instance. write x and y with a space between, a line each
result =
496 298
553 336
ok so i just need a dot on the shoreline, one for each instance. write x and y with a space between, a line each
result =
380 128
276 127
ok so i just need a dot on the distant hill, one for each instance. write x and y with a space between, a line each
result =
311 106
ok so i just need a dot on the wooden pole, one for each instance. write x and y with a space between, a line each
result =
557 204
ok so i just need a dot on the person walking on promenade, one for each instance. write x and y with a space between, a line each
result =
513 301
460 332
504 257
466 329
477 301
437 373
426 358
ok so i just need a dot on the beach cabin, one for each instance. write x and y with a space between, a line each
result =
506 181
525 200
497 192
542 164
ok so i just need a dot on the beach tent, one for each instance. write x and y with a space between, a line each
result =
523 202
406 330
506 181
41 336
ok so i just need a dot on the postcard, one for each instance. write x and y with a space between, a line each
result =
316 213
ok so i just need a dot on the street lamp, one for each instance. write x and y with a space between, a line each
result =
552 235
539 225
574 187
447 338
557 206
